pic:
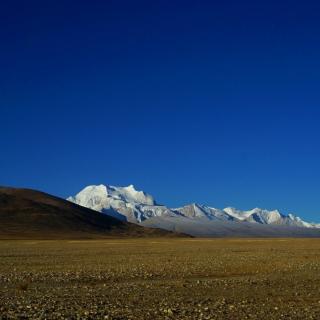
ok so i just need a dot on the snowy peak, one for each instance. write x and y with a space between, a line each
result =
91 197
130 194
264 216
237 214
193 210
197 211
125 203
95 195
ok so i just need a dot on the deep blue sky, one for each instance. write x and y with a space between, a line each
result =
214 102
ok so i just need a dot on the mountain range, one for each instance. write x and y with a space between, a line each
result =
131 205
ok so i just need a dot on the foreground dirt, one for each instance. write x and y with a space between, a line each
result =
160 279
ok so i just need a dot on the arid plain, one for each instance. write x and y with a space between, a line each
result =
160 279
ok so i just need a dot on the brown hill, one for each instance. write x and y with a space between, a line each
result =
30 214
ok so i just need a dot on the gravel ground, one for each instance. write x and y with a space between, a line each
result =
160 279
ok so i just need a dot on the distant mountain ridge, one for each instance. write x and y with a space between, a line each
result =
128 204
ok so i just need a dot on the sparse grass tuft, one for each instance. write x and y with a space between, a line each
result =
23 286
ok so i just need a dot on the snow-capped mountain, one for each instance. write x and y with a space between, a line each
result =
197 211
273 217
126 203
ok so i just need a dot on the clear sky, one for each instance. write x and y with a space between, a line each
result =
215 102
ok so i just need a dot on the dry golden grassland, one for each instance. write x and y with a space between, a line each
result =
160 279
